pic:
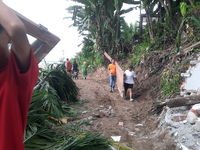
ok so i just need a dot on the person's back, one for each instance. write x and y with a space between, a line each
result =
69 66
63 66
18 75
75 66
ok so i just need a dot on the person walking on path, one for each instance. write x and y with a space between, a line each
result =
75 66
112 71
84 70
69 67
129 76
18 75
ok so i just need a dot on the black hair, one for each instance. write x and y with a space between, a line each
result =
67 59
131 67
1 28
74 61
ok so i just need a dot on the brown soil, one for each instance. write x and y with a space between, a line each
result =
95 89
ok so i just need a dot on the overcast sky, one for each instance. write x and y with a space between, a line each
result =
50 13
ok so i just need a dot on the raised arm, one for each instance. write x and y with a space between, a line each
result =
17 34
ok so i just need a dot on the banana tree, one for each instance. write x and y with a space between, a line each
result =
102 18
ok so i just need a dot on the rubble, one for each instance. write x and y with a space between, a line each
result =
183 122
184 133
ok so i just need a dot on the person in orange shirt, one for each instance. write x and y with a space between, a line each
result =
112 71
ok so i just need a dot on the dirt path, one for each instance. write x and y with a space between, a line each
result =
105 110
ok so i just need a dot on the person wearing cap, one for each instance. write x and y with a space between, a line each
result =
112 71
129 76
84 70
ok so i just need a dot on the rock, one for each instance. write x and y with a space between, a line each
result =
91 122
104 113
197 108
90 118
175 141
175 134
197 126
139 125
112 113
101 106
86 111
110 107
191 117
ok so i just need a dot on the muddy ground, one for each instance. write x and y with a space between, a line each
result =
105 110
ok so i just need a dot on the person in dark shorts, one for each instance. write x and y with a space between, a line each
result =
129 76
75 66
75 70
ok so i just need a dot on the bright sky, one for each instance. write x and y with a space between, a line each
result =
50 13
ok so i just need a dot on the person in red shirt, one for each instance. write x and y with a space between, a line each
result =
18 76
69 67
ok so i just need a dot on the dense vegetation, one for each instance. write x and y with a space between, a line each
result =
169 25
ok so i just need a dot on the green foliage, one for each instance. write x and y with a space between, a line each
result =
185 14
183 7
141 50
49 139
197 22
169 81
54 80
85 142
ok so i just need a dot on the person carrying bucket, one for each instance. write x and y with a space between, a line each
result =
84 70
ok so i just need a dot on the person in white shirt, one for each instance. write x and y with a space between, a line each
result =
129 76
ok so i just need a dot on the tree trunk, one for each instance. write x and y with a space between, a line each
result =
176 102
182 101
196 10
170 8
149 24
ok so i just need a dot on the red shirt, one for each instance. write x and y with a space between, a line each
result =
15 96
69 66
